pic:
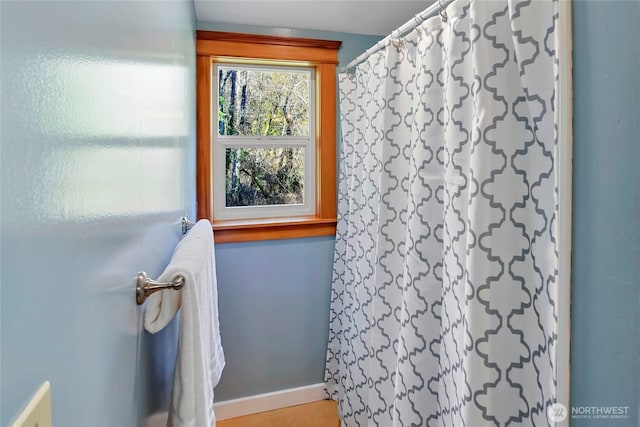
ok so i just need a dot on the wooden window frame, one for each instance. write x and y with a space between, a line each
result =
322 55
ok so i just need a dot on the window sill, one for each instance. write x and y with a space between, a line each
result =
229 231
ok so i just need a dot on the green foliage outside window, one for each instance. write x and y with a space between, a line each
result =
261 103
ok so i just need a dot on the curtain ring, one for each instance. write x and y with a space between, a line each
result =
443 13
417 25
380 46
397 40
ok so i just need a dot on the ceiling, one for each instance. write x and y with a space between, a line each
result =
348 16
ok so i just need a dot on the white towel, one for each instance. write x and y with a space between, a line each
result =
200 357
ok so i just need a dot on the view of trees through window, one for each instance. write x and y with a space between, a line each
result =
272 104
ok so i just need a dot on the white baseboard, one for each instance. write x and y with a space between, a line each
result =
269 401
254 404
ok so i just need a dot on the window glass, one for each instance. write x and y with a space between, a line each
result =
264 176
256 101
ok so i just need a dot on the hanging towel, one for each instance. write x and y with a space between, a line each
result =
200 357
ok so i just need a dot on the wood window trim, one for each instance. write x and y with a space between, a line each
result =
319 54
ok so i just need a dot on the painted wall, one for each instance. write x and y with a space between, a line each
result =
97 165
605 356
98 159
274 295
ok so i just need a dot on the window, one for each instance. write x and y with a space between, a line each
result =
266 136
263 144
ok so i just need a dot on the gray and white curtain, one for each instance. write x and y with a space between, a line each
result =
443 309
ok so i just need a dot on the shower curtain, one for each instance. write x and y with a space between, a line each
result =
443 307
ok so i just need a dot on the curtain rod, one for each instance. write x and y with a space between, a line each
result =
436 8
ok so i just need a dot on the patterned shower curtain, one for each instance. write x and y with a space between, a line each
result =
443 309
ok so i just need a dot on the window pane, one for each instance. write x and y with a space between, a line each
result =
263 102
264 176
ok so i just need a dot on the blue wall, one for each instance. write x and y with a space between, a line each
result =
98 149
97 165
605 355
274 314
274 295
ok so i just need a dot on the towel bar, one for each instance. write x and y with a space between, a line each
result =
146 286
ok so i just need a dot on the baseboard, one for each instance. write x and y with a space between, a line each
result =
254 404
269 401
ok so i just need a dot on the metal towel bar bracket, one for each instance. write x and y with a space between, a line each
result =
146 286
186 225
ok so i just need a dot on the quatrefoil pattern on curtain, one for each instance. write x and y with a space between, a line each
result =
443 308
